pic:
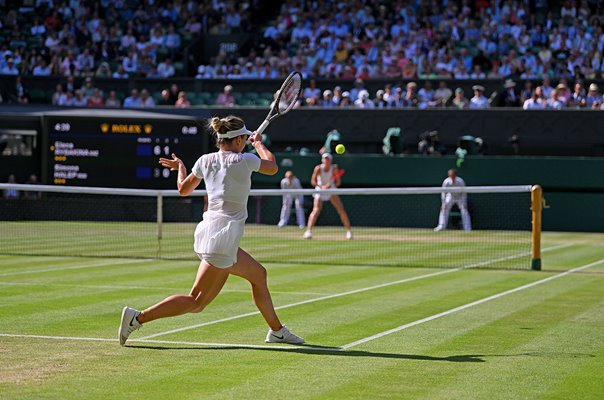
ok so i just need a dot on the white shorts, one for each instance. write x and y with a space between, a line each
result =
320 196
217 240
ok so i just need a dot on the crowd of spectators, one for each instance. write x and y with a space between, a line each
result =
425 40
90 96
103 38
409 95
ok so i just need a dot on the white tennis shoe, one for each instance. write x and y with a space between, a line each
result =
129 324
348 235
283 335
307 235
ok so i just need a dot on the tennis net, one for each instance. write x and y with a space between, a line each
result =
391 226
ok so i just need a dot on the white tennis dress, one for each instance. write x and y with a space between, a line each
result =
228 182
325 178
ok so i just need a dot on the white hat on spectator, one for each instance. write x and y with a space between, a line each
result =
509 84
346 94
327 93
379 93
593 87
363 94
480 88
228 88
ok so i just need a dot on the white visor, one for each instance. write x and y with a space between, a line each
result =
232 134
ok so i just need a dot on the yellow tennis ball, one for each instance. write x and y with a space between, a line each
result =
340 149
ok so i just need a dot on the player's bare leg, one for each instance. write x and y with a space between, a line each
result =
252 271
314 215
337 203
208 283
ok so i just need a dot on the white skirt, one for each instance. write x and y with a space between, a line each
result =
321 196
217 239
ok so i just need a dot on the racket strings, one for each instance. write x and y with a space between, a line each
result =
290 93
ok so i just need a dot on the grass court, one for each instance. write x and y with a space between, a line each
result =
372 331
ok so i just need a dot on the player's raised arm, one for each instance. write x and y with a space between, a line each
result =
268 162
185 184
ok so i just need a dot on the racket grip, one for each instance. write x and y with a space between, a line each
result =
262 127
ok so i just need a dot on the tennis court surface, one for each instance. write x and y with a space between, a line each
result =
372 330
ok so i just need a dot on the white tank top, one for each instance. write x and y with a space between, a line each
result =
326 177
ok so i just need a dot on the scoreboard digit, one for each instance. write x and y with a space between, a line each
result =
118 152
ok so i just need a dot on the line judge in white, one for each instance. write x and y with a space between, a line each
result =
227 174
448 199
292 182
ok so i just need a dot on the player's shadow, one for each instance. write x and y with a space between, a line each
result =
325 351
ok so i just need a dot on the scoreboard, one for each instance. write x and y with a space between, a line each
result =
119 152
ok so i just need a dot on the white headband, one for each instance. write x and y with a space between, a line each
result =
232 134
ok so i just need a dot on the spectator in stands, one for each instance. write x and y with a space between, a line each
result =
120 73
103 71
182 101
146 100
363 101
460 101
226 97
554 102
79 99
536 101
9 68
578 98
165 69
311 90
442 94
58 97
510 97
165 100
478 101
425 96
327 100
96 99
593 95
132 101
11 194
410 98
345 102
112 100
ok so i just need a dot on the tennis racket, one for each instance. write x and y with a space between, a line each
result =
339 174
286 99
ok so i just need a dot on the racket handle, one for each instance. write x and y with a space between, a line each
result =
263 126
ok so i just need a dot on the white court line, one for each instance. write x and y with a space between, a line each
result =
468 305
143 288
94 265
203 344
333 296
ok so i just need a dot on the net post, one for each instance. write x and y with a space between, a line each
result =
536 207
160 218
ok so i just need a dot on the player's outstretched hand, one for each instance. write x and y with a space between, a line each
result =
172 163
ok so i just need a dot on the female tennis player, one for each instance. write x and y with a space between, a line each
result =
326 176
227 175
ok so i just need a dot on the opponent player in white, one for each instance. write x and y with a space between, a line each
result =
449 199
326 176
291 182
227 175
